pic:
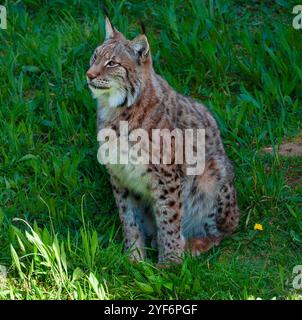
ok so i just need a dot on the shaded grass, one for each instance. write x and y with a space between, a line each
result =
242 60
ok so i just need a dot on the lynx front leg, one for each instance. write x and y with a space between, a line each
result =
168 220
129 211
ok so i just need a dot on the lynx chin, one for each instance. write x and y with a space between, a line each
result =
160 202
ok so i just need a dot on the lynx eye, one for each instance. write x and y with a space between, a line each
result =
94 57
112 64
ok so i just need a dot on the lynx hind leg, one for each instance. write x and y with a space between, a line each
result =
219 224
199 199
211 210
206 234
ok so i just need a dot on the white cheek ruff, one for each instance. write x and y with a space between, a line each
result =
116 98
97 92
113 97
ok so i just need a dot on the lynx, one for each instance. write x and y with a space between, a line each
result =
160 202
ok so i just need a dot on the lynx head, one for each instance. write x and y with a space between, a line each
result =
117 68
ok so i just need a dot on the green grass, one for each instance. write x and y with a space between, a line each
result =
60 235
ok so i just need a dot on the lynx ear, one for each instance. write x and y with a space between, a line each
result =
141 46
109 29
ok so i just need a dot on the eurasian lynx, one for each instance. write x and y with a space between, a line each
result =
160 201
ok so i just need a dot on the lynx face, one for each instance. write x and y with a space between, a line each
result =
116 67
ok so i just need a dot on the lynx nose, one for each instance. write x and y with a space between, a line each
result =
91 74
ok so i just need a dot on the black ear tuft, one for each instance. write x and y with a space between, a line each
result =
143 27
104 9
